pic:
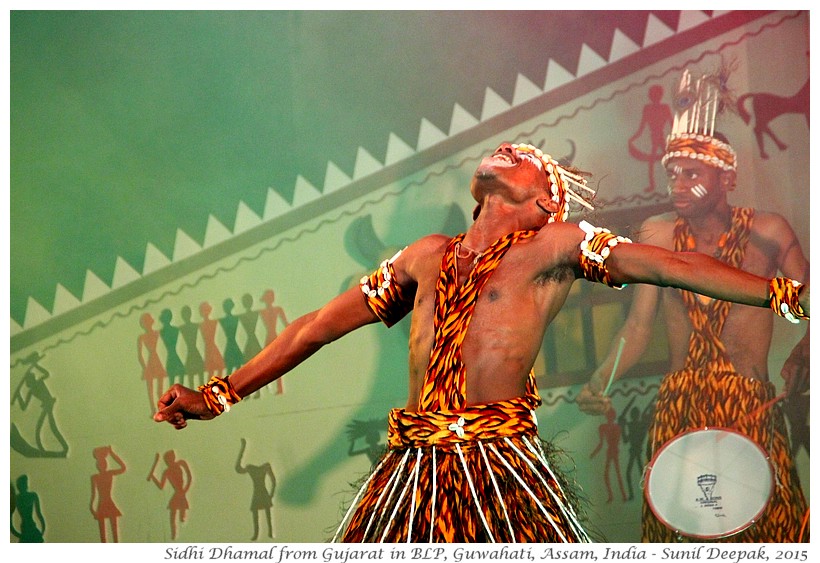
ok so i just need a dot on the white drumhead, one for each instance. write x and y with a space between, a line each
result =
709 483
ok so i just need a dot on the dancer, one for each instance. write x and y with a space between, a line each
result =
464 460
718 350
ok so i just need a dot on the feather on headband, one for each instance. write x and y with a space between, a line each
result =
697 104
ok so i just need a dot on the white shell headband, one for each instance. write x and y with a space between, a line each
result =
559 179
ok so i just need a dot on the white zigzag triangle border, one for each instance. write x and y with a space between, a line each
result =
365 165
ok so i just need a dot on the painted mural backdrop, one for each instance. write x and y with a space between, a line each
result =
86 368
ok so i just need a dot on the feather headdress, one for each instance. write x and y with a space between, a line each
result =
697 104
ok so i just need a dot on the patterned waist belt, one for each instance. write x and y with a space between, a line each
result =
476 422
721 374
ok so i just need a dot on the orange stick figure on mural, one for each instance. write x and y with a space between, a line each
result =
214 361
655 118
610 434
271 315
178 474
102 484
153 371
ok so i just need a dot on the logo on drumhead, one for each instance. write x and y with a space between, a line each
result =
707 483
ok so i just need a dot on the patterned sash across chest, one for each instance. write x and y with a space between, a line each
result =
444 385
708 319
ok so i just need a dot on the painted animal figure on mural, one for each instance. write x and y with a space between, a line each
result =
766 107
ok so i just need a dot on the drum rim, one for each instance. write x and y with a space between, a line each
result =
651 464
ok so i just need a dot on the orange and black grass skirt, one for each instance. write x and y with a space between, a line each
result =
481 474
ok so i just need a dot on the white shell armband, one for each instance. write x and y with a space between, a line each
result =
595 249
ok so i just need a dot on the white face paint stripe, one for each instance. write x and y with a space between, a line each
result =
699 191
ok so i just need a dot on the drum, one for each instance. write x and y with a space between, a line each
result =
709 483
